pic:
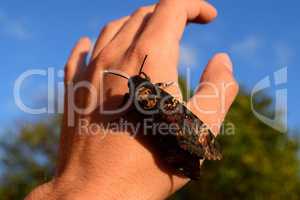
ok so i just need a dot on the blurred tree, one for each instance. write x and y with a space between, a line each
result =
259 163
28 158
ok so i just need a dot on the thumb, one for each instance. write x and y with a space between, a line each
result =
215 93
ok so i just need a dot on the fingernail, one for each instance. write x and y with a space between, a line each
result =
224 57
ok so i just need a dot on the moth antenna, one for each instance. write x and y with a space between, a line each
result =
144 61
114 73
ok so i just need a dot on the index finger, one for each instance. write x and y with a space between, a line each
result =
170 17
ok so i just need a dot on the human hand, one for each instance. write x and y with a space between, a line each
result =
117 166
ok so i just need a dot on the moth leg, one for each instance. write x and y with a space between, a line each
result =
164 85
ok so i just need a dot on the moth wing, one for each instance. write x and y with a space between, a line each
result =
212 151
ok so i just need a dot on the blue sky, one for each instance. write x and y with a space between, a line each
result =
260 36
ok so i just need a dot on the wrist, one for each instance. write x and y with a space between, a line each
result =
118 167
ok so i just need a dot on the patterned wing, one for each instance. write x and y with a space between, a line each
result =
191 133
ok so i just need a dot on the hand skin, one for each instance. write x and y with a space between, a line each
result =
118 166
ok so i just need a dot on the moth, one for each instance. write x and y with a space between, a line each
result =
187 141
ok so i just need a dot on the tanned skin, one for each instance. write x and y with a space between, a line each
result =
118 166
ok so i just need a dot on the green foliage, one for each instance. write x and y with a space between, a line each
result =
259 163
28 158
